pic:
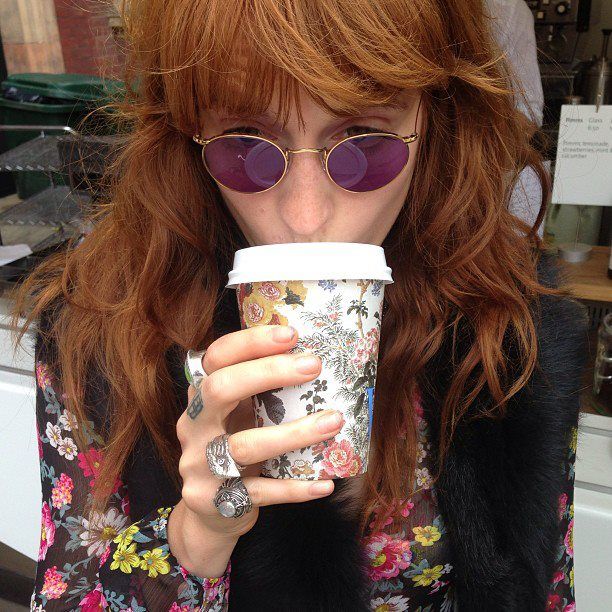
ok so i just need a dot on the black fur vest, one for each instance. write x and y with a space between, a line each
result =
498 495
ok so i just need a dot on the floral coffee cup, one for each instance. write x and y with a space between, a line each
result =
338 319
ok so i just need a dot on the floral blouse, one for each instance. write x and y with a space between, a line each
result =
103 562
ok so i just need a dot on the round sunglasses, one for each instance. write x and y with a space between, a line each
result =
253 164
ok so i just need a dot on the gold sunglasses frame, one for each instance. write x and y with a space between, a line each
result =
286 156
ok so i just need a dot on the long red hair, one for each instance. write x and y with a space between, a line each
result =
146 277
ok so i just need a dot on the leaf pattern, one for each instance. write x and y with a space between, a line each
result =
273 405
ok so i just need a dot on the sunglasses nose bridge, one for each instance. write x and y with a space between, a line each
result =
322 152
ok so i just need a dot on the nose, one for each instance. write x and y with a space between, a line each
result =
305 194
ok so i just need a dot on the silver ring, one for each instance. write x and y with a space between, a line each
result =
232 499
194 371
220 462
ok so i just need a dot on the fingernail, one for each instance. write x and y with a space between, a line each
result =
307 364
320 488
329 422
283 333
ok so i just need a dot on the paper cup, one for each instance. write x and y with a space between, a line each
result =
332 293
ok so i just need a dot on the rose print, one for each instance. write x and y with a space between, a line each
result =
339 458
386 555
553 602
94 600
47 531
270 291
569 539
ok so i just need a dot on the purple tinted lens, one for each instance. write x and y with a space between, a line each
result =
366 162
244 163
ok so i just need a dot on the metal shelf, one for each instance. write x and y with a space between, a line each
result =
52 207
39 154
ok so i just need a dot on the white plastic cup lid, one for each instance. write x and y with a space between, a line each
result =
309 261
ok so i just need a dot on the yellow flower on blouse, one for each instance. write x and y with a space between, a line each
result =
574 440
164 512
427 535
126 536
125 559
155 561
428 576
572 578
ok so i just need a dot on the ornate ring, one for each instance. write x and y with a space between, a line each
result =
220 462
232 498
194 371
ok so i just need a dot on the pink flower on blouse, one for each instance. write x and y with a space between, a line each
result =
562 504
94 600
406 507
105 555
43 377
90 463
53 586
47 532
387 556
558 577
569 539
570 607
553 602
125 505
339 459
62 491
176 608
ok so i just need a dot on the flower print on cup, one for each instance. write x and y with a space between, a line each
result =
258 302
332 294
340 322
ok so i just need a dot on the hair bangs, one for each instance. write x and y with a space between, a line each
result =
244 58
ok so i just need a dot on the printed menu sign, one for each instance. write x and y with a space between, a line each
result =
583 169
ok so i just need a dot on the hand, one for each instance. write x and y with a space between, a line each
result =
240 365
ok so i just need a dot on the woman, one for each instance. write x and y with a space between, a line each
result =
467 502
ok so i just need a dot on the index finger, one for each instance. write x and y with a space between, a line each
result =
247 344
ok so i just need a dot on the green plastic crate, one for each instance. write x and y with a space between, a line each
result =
67 99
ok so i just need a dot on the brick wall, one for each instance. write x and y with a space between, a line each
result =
89 43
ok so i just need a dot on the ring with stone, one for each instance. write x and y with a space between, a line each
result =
220 462
194 370
232 499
